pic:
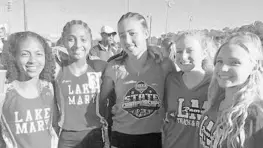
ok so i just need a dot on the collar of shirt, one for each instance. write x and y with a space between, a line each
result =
105 48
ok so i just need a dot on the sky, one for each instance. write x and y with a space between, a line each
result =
49 16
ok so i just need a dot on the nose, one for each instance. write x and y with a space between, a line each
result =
224 67
185 55
78 43
111 36
127 39
31 59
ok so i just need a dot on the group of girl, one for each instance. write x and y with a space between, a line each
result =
48 105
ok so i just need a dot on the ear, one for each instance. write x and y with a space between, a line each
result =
205 53
147 34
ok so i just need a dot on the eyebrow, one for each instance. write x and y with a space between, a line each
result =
126 31
82 36
228 58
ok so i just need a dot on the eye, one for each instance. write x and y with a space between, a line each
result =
219 61
235 63
189 50
122 36
70 39
40 54
24 54
132 33
84 40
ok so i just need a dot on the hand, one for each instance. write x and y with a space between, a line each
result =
93 57
156 52
104 122
2 98
58 49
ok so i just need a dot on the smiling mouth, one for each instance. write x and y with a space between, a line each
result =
224 77
186 63
31 68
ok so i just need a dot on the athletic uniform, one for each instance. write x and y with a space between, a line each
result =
184 109
138 111
78 104
253 128
27 123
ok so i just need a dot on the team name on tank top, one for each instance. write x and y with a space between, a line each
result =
79 95
185 106
28 121
139 101
184 110
208 127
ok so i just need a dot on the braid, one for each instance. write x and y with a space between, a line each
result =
136 15
76 22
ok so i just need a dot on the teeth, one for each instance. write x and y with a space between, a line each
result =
185 62
32 68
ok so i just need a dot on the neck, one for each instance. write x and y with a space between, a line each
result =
195 72
138 61
104 43
28 84
79 64
230 92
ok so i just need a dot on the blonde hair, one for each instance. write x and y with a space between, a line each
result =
207 44
230 123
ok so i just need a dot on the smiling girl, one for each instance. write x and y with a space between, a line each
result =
28 102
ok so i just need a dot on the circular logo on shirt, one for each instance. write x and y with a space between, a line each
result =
141 100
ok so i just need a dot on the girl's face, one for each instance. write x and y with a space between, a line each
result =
133 36
233 66
31 56
189 54
77 41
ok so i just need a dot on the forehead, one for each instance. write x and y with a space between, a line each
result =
188 41
233 51
129 24
77 30
31 44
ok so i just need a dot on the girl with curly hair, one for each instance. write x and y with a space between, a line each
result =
77 87
235 115
28 104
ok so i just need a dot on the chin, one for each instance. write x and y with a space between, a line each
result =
33 75
186 69
225 84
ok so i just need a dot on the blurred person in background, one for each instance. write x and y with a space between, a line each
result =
107 47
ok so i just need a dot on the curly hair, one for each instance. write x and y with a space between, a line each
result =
230 125
207 45
14 68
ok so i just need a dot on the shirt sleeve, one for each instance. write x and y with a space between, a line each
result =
93 51
254 130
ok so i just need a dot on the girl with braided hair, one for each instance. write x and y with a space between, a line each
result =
138 81
77 87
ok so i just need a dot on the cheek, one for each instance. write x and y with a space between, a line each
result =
178 56
87 46
243 74
69 45
196 57
42 61
22 61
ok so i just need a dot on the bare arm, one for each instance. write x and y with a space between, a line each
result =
168 66
107 87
